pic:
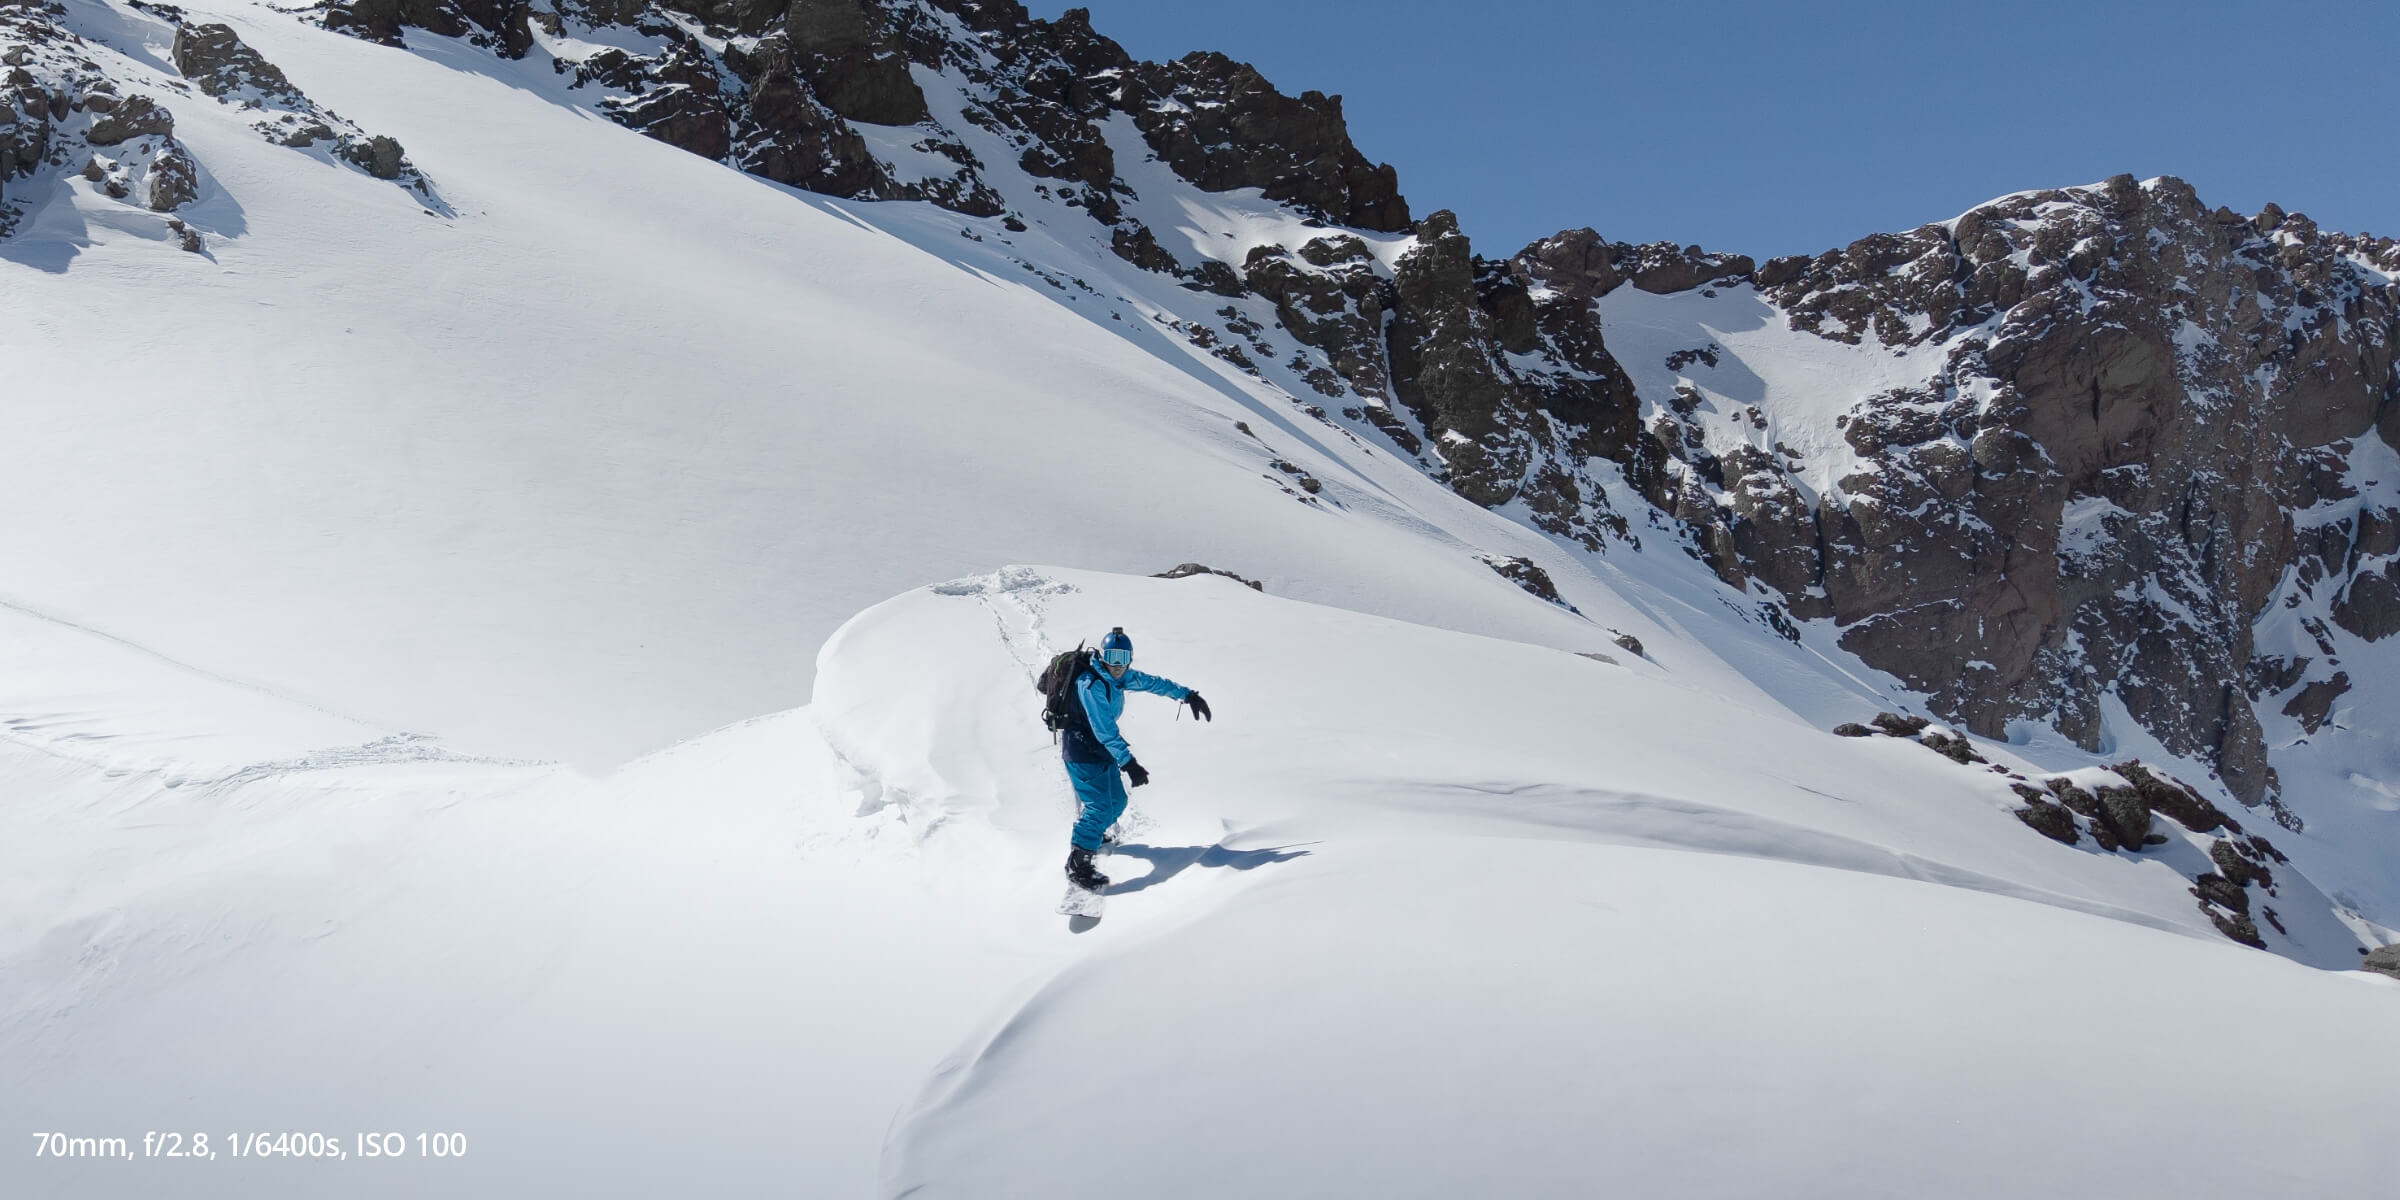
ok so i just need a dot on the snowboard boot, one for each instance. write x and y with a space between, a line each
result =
1082 873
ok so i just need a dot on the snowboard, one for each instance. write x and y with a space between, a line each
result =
1081 903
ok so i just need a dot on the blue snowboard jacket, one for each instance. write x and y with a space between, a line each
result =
1103 702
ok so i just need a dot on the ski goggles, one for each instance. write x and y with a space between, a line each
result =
1117 658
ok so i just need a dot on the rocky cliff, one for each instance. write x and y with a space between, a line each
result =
2129 426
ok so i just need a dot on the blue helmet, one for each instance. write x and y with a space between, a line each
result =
1116 649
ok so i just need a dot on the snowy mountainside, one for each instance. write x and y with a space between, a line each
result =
369 540
1118 185
744 444
1894 452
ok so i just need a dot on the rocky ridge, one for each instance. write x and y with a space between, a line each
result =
2137 432
63 113
223 67
2131 808
826 95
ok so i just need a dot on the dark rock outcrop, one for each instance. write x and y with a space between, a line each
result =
680 98
129 118
2313 703
1581 262
2385 961
502 25
2095 491
1189 569
784 133
2370 606
1528 575
2174 799
2052 821
852 62
793 78
1220 124
2127 817
219 63
1441 346
378 156
1900 726
173 179
1328 296
2240 868
1956 749
222 66
1517 390
61 111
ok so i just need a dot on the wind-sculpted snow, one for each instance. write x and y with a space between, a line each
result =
928 701
1439 895
1471 1016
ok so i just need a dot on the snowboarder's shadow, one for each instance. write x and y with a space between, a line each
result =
1166 862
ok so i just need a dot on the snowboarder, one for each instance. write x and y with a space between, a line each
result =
1095 751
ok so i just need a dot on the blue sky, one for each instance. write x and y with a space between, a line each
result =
1789 128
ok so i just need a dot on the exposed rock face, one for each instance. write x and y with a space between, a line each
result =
1441 345
1526 574
1328 295
2384 961
172 181
2370 606
2174 799
785 134
502 25
60 112
222 66
1511 377
378 156
795 79
1189 569
676 96
851 61
1221 125
2093 489
2052 821
2097 492
217 61
123 120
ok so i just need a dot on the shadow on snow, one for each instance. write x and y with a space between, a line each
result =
1166 862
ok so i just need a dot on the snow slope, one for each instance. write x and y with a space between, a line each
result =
1388 924
1647 1021
597 464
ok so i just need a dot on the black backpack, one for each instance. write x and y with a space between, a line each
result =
1061 710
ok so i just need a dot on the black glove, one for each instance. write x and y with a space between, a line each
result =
1199 706
1135 772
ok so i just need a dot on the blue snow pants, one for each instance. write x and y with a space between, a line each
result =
1101 791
